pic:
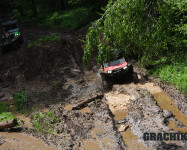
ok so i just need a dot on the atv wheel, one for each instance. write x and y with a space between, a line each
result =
135 77
105 82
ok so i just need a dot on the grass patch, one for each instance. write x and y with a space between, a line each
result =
44 121
5 116
43 39
71 19
20 101
3 107
174 73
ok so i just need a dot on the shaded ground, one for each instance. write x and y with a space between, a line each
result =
53 76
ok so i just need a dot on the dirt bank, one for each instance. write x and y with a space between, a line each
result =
179 99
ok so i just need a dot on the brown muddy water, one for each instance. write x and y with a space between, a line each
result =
26 120
131 141
94 144
118 104
23 142
15 140
84 110
166 103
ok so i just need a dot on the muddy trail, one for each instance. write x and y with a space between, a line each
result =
91 118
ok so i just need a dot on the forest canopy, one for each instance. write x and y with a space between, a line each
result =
144 29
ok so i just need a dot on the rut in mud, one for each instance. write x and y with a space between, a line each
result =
53 76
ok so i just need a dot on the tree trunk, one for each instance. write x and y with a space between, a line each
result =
8 124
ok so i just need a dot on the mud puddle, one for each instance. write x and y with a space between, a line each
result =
22 141
118 104
84 110
90 145
93 144
98 143
131 141
27 121
166 103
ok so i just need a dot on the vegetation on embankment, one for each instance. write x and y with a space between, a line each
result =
20 103
44 121
52 37
149 31
71 14
68 19
173 72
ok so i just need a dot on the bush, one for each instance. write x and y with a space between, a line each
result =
44 121
147 29
5 116
174 73
3 107
20 101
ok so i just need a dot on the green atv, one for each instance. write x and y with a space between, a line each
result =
11 38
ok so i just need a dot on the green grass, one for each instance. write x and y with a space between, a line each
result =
173 73
5 116
3 107
71 19
43 39
20 101
44 121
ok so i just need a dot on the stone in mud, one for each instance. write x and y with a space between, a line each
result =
121 121
123 128
167 114
8 124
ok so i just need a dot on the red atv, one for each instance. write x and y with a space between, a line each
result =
116 70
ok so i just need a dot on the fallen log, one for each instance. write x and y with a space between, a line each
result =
88 100
8 124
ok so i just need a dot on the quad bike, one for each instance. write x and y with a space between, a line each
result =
11 38
115 70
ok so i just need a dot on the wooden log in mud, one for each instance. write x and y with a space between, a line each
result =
85 101
8 124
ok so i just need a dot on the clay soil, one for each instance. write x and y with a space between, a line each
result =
53 76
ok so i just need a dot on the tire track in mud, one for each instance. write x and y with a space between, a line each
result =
122 101
144 115
129 109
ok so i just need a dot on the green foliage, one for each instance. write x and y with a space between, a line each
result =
5 116
174 73
148 30
51 37
45 121
71 19
20 101
144 28
3 107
